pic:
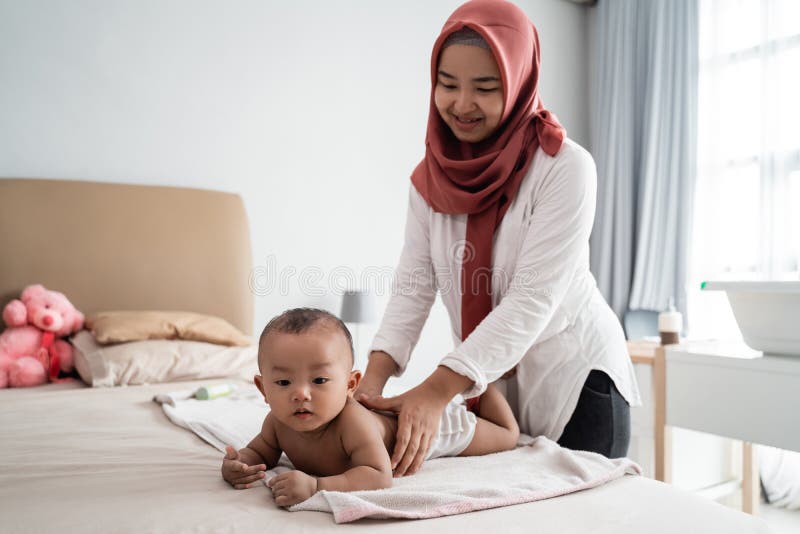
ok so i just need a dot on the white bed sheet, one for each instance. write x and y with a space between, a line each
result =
77 459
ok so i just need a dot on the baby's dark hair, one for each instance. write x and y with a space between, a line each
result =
299 320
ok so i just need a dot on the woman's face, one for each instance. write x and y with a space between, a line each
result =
469 92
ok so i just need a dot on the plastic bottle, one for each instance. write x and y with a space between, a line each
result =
670 324
214 392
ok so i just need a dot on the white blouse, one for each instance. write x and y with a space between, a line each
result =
548 316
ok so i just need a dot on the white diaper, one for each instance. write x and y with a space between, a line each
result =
456 430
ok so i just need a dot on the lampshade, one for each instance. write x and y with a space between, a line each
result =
358 307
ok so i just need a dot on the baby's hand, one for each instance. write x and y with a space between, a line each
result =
292 487
237 473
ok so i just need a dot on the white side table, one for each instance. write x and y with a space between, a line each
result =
732 391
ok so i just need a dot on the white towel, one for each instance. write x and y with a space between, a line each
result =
448 486
232 420
538 469
780 476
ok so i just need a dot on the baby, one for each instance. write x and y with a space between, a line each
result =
305 359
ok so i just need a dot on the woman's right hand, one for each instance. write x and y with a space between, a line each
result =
367 390
419 412
379 368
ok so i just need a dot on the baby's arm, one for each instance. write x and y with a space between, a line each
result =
363 443
243 467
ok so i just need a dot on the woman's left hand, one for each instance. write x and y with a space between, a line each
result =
418 413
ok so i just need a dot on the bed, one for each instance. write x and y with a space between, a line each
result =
78 459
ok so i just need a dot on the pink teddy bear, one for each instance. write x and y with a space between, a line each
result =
29 350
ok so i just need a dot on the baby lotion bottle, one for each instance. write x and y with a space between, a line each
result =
670 324
214 392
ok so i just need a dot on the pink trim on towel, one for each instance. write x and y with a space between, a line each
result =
359 512
538 470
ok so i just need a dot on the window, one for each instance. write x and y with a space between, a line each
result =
747 201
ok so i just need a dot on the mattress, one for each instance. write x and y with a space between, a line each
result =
79 459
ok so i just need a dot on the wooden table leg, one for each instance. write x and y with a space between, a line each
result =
751 483
663 434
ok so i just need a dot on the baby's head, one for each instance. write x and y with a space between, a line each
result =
305 357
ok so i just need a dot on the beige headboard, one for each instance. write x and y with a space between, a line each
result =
127 247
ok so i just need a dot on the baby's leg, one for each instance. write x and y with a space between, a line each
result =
496 429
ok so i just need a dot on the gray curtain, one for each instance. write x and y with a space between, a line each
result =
644 139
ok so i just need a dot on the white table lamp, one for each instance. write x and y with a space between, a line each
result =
358 307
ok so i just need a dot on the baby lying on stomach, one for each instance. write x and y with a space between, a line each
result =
305 358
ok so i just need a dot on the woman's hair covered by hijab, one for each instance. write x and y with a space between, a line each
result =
466 36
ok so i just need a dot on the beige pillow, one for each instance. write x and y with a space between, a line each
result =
123 326
162 360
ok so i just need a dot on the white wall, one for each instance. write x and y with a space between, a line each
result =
313 111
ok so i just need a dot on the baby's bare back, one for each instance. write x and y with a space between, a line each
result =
322 453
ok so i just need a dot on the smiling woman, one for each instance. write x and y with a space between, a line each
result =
505 200
469 90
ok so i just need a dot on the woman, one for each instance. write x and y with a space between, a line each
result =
500 213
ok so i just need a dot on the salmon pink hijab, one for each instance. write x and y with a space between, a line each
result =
482 179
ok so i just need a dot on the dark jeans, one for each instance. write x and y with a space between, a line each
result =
601 421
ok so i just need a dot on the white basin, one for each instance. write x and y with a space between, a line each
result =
768 313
